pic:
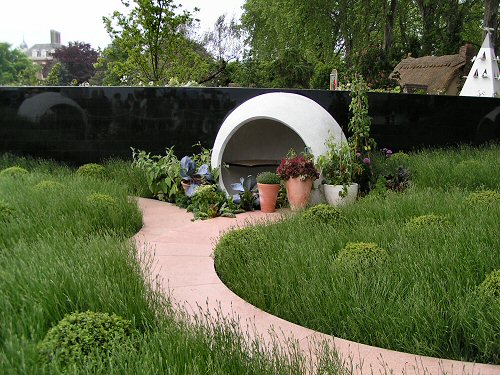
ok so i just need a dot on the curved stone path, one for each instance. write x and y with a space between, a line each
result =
182 262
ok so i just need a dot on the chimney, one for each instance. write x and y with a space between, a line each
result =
55 37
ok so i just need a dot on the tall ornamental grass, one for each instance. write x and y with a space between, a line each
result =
423 297
65 248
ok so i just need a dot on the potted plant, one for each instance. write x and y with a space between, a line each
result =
299 172
338 167
269 186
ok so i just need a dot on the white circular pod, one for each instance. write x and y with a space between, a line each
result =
259 132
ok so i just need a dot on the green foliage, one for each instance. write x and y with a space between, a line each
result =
58 76
48 185
16 68
101 201
92 170
15 172
323 213
206 202
162 173
427 221
235 239
338 165
268 178
483 197
78 335
359 126
152 44
361 255
491 284
6 211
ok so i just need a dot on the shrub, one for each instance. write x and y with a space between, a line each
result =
13 172
234 239
6 212
268 178
79 334
491 284
427 221
48 185
483 197
91 170
206 202
396 160
101 201
361 255
323 213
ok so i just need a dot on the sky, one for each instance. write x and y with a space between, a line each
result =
82 20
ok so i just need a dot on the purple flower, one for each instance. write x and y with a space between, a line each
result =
388 153
366 161
358 154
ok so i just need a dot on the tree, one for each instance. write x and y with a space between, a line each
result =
155 40
225 43
78 60
490 19
16 68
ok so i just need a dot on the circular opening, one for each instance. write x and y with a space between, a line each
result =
257 146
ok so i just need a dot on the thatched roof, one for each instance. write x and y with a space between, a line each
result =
434 72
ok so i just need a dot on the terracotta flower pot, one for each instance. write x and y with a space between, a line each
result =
268 194
185 186
298 192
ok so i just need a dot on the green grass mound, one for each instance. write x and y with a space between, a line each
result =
427 221
234 239
78 335
6 212
48 185
491 284
101 201
323 213
361 255
13 172
398 159
91 170
483 197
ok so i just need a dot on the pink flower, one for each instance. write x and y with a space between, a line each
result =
366 161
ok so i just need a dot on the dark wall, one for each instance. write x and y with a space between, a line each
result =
85 124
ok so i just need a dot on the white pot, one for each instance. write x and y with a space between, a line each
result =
332 194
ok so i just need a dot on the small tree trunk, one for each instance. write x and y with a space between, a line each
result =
389 26
491 17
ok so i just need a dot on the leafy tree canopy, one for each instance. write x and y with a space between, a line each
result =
16 68
76 61
153 44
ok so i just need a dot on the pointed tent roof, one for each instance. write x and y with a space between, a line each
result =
484 76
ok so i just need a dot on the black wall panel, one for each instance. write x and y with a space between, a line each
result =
88 124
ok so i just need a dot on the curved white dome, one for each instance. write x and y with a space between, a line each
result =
290 118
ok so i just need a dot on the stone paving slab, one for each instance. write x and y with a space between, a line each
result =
182 261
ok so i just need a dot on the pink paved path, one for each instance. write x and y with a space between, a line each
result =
182 260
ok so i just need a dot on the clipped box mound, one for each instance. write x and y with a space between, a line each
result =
48 185
91 170
483 197
244 236
427 221
101 201
323 213
6 212
491 284
13 172
79 334
360 255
